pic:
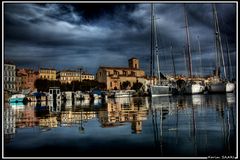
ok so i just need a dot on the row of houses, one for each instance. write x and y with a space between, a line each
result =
18 79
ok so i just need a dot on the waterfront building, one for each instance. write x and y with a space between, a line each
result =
47 73
18 82
113 77
9 77
67 76
26 79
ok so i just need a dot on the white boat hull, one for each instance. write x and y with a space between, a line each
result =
230 87
193 89
157 90
121 93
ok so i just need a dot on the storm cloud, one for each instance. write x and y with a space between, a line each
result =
66 35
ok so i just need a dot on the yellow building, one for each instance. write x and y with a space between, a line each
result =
67 76
47 73
113 77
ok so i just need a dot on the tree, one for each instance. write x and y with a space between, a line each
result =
125 85
137 86
41 85
44 84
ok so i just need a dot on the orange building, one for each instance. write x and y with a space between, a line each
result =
26 79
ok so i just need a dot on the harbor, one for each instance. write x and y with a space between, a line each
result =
168 126
134 80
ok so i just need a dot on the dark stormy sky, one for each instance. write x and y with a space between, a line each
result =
67 36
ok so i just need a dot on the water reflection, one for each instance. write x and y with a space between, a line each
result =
121 110
196 119
197 125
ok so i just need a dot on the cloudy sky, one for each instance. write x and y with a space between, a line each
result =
68 35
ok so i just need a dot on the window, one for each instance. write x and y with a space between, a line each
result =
133 73
50 91
124 73
115 72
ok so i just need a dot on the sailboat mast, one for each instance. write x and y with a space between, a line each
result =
219 47
200 52
185 59
156 51
229 62
152 45
174 70
188 43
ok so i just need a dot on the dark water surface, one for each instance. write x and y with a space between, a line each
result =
175 126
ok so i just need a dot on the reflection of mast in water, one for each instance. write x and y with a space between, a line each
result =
193 128
158 107
158 142
229 131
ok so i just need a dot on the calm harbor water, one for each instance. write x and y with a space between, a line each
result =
175 126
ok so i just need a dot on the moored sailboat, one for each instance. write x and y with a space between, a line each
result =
190 87
217 85
158 89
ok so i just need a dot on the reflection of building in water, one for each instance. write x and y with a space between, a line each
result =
54 106
67 118
26 117
68 104
231 99
50 122
9 124
124 110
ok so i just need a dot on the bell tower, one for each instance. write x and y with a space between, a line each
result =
133 63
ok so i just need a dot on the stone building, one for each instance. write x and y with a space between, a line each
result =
47 73
9 77
67 76
113 77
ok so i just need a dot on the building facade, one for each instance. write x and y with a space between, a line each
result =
48 73
26 78
9 77
67 76
113 77
18 83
